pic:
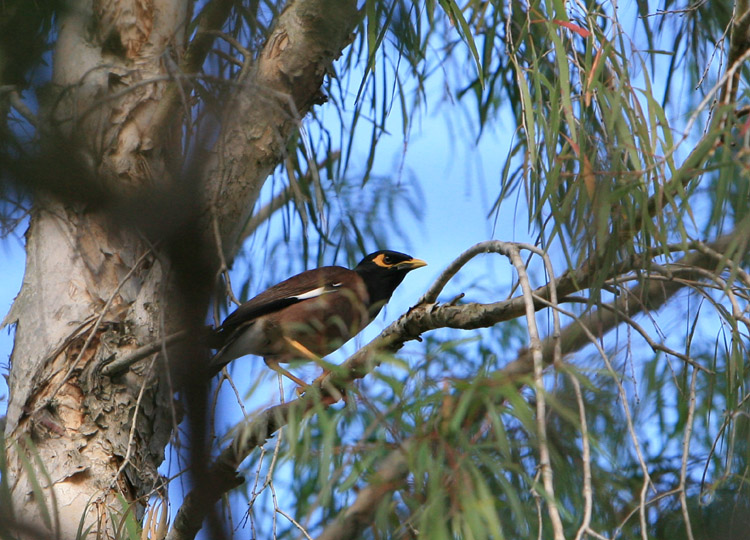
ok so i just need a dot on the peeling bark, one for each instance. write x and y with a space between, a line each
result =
92 288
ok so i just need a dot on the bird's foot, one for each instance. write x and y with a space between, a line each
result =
331 393
304 387
274 365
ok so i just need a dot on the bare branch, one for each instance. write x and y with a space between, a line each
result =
430 297
686 454
585 458
541 407
118 365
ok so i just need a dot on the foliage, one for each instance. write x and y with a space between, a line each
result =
629 156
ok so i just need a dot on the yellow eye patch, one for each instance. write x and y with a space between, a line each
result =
380 261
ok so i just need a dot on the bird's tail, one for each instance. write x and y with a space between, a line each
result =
220 340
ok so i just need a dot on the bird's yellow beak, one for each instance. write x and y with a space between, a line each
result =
411 264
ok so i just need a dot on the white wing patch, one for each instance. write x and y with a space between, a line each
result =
320 291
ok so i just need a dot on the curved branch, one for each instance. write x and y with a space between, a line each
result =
651 296
571 341
430 297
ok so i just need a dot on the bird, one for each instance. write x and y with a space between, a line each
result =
311 314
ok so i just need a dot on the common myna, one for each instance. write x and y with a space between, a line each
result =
310 315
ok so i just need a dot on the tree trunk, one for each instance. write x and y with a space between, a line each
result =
92 289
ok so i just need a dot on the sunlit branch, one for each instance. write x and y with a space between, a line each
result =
280 87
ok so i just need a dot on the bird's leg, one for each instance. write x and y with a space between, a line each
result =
304 351
336 393
274 365
307 353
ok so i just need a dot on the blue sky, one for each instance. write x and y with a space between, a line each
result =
13 258
459 179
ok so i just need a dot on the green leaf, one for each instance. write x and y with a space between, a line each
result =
454 12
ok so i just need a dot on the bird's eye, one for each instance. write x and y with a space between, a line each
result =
388 259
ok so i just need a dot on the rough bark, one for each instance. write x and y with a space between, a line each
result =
92 288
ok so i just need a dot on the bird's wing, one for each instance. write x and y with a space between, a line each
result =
305 286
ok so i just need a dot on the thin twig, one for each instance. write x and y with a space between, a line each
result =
223 270
134 423
628 416
541 415
647 338
122 363
430 296
265 212
686 455
586 458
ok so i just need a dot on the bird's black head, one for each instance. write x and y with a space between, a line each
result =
382 272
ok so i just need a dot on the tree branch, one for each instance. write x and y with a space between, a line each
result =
739 44
122 363
571 339
277 91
